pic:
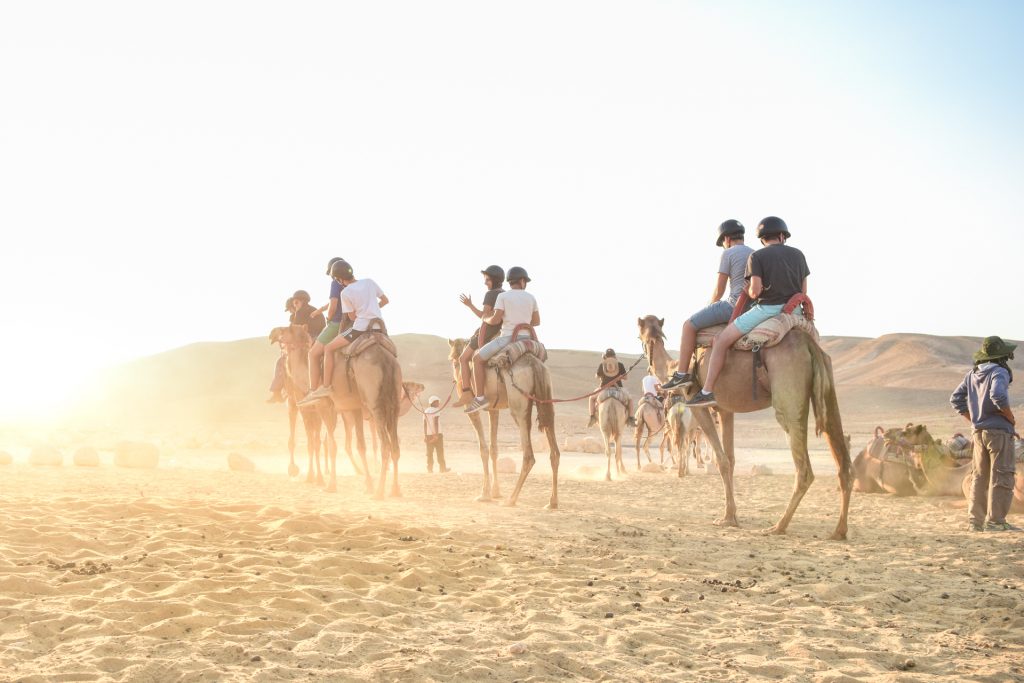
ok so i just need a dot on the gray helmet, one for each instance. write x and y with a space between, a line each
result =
772 227
496 273
730 228
341 270
332 262
517 273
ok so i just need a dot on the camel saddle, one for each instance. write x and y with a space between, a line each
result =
507 357
375 334
656 402
767 334
618 393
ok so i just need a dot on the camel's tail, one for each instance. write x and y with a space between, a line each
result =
388 401
826 407
542 390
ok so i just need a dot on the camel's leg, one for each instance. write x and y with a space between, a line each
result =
481 440
293 410
377 455
608 454
707 425
331 446
793 418
357 424
394 453
311 423
556 457
619 466
492 416
841 454
636 439
528 459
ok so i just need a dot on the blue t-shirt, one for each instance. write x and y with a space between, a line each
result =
336 288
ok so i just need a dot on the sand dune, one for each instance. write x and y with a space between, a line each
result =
168 576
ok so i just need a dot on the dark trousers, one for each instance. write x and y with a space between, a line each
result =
279 375
992 479
436 445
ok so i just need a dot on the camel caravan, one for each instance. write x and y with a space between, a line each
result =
754 347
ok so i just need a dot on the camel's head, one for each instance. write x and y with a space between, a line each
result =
917 435
277 335
651 333
291 337
413 389
455 348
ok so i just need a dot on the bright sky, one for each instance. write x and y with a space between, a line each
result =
171 172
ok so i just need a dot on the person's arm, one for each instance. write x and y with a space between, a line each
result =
383 300
720 283
803 287
535 319
958 400
756 286
998 393
496 316
467 301
332 307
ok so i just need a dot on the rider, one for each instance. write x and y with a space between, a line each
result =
511 309
731 271
494 276
302 313
361 301
776 273
610 373
329 332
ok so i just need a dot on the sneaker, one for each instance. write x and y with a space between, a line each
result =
477 404
593 421
313 396
1000 526
971 526
464 399
702 400
678 379
631 422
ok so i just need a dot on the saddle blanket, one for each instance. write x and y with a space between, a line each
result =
618 393
370 339
516 350
769 333
652 401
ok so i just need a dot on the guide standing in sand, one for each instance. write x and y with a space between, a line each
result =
983 399
432 435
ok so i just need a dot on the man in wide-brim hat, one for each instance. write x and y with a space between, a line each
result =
983 399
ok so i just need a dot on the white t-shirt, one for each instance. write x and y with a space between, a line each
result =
650 383
519 306
362 298
431 421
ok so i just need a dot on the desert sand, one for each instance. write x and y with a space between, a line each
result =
191 572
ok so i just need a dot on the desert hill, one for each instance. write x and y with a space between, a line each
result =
890 380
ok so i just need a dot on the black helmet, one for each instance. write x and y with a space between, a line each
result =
609 353
302 295
496 273
772 227
341 270
516 273
332 262
730 228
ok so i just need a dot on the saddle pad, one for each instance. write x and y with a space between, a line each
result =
768 333
516 350
653 401
366 341
618 393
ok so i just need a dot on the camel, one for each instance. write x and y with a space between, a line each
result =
797 374
611 417
516 387
651 419
410 392
296 342
682 436
369 379
908 462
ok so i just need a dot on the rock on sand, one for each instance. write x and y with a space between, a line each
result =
46 456
505 466
239 463
652 467
86 457
592 444
137 455
760 470
5 458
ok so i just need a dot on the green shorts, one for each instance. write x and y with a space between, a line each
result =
329 333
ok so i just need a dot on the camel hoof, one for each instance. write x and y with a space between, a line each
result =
726 521
509 504
396 492
484 498
320 481
495 494
773 531
293 470
331 488
607 477
379 495
837 536
310 479
551 506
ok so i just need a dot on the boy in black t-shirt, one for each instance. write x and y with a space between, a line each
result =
610 369
494 276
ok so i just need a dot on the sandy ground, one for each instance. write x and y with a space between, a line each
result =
167 575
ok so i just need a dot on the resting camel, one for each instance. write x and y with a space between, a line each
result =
527 377
908 462
611 417
799 374
296 342
371 379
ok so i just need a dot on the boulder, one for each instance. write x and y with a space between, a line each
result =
652 468
505 466
592 444
760 470
47 456
573 443
239 463
136 455
86 457
6 458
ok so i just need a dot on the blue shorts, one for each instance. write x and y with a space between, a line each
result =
491 348
757 315
717 313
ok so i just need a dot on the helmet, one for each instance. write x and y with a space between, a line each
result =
496 273
302 295
730 228
516 273
609 353
288 304
341 269
332 262
772 227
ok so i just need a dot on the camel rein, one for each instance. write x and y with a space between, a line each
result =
423 412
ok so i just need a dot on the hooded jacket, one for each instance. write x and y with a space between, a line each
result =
982 394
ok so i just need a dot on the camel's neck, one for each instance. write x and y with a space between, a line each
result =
298 370
660 360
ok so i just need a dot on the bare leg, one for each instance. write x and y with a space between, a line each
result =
492 416
316 352
687 344
479 375
719 350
